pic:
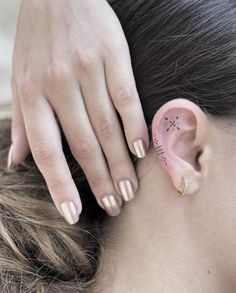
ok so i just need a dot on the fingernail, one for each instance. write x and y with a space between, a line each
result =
139 148
69 212
127 190
9 159
111 205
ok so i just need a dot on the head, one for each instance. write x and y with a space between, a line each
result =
183 55
183 59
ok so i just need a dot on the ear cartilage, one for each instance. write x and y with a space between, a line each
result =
186 186
173 123
164 160
160 151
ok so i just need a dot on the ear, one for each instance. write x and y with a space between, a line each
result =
180 136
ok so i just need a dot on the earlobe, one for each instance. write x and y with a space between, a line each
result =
179 131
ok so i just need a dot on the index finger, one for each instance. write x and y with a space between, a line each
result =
122 88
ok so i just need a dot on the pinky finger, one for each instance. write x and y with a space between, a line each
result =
47 151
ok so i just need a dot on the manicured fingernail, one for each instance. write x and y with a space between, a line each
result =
9 159
139 148
127 190
69 212
111 205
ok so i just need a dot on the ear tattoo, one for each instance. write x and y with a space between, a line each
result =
172 123
160 151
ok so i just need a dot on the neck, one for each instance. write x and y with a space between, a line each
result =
157 244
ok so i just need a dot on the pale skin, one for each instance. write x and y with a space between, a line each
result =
71 65
164 243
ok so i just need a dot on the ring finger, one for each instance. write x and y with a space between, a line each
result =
84 146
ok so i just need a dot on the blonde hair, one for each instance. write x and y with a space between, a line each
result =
39 251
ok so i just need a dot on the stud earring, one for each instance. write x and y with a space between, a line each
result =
186 186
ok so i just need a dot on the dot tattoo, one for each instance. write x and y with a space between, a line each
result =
164 160
159 149
173 123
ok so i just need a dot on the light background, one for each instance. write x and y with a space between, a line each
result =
8 18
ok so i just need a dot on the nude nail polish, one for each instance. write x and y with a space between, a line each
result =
9 159
69 212
111 205
127 190
139 148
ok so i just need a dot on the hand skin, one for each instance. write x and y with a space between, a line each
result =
71 62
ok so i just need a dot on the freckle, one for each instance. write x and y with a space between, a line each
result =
208 272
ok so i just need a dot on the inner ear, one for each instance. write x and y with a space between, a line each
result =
183 146
198 156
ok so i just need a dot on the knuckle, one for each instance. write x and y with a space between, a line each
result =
117 47
134 122
98 182
124 97
81 148
59 185
105 127
118 163
86 59
43 152
121 48
26 90
57 75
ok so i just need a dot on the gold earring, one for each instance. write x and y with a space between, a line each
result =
185 187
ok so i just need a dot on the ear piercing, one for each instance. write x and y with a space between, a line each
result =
186 186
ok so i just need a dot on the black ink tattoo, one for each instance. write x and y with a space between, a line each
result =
164 160
173 123
159 149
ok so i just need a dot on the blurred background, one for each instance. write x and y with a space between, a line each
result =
8 18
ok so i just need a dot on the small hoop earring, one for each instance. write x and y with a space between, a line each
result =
185 187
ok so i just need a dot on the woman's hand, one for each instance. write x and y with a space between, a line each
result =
71 62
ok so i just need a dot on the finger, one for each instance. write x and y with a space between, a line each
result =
45 142
122 88
20 146
85 148
108 131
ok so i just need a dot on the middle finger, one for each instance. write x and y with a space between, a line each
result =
107 128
